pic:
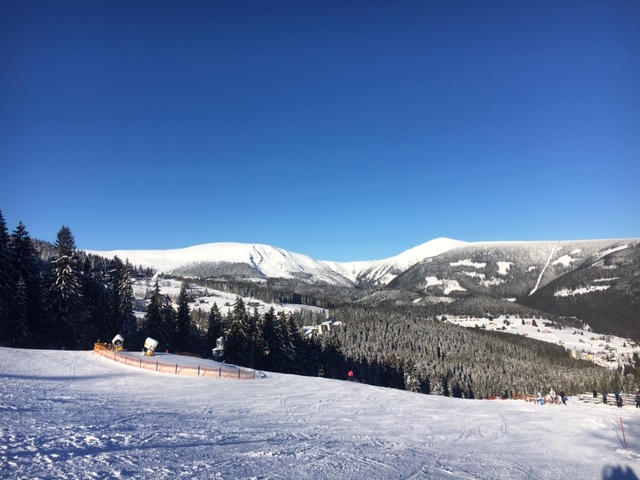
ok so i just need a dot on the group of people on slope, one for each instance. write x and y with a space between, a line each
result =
618 396
552 397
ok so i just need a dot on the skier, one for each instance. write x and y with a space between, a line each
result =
638 399
618 399
604 397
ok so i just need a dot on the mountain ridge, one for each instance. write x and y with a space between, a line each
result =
261 261
232 258
593 281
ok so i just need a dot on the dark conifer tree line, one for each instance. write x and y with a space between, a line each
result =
54 296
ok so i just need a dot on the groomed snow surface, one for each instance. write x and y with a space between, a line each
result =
77 415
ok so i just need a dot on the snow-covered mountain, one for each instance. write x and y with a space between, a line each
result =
595 281
507 269
442 265
245 260
256 261
381 272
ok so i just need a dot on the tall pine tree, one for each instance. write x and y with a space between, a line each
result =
64 304
26 268
183 330
237 337
123 319
276 352
295 343
20 322
127 322
98 299
268 353
158 320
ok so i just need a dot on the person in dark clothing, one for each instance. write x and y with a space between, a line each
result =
638 399
604 397
563 397
618 399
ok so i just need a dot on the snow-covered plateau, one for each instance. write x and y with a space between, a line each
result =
76 415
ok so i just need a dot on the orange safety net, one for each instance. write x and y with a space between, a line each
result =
236 373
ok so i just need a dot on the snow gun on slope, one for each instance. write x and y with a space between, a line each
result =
218 352
150 346
118 343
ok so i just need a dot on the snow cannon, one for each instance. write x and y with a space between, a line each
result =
218 352
118 342
150 346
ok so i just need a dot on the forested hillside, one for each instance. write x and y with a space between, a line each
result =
439 358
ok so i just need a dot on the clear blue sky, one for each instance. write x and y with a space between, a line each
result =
344 130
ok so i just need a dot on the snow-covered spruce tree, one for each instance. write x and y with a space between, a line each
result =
158 320
20 331
126 322
293 342
121 318
183 329
169 315
25 266
271 352
288 348
253 330
112 281
97 301
63 297
237 341
256 345
14 304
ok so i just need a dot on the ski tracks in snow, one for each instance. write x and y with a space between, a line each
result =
112 421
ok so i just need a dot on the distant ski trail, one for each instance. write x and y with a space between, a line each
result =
553 250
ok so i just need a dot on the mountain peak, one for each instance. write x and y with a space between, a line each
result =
272 262
429 249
